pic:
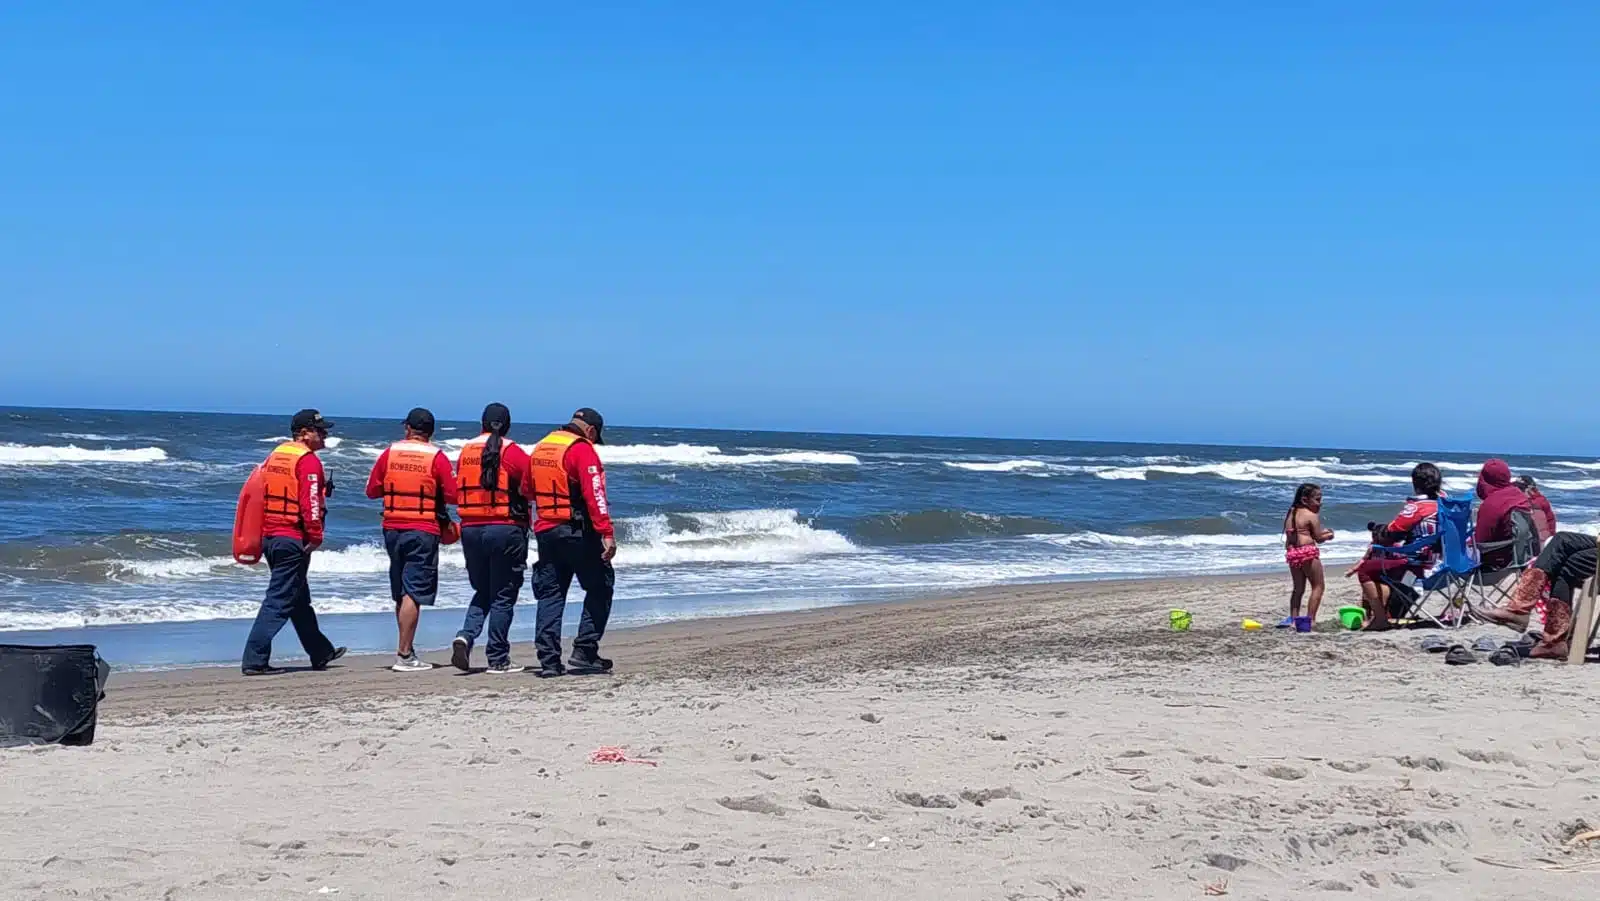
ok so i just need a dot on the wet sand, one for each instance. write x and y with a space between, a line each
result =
1051 741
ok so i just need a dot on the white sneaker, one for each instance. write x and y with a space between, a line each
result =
461 654
506 670
412 664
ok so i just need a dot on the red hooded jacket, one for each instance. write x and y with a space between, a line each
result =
1500 498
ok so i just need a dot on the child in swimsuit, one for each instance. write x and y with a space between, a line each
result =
1302 533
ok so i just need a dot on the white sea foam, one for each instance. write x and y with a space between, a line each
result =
1001 466
352 560
1569 484
38 455
331 441
1262 471
739 536
168 611
702 455
1572 464
91 436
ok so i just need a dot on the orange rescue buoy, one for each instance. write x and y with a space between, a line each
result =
247 518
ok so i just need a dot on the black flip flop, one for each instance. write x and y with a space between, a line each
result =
1506 656
1459 655
1435 644
1487 644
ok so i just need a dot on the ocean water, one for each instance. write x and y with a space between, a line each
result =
115 527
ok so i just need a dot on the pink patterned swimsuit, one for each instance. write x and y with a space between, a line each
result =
1302 556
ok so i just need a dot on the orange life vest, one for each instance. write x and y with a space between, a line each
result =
556 497
503 501
281 503
410 491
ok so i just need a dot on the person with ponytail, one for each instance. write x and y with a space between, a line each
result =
1302 533
494 538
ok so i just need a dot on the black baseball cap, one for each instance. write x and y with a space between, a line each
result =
591 417
308 419
421 420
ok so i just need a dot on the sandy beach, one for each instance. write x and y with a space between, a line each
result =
1049 741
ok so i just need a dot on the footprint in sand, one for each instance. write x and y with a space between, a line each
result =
929 802
753 804
1478 756
1226 862
983 796
1286 773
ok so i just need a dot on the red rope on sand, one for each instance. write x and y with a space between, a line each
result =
616 755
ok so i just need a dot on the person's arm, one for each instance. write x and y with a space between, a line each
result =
379 470
526 484
446 477
1399 529
514 463
1322 535
313 506
584 465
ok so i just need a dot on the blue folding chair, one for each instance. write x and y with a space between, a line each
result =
1443 599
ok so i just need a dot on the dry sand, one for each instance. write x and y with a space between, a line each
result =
1041 742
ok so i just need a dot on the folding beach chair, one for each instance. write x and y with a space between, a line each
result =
1440 597
1493 586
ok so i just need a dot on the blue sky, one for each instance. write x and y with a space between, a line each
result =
1153 222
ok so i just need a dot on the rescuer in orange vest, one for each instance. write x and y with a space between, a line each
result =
291 529
566 483
414 480
494 538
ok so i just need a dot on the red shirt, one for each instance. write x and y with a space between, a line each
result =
443 474
313 508
514 463
583 466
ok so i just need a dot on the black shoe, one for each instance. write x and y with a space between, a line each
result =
550 672
264 671
588 666
1460 655
461 654
337 653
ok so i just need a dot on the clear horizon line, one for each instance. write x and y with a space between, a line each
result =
933 435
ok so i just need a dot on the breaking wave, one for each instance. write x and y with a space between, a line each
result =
71 454
1002 466
704 455
662 539
740 536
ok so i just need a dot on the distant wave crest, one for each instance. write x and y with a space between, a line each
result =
704 455
71 454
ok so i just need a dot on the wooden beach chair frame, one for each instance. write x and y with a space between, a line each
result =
1585 623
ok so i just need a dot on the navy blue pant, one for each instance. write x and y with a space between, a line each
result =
497 557
288 600
413 565
567 551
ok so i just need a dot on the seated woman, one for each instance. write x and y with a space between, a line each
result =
1418 519
1544 516
1500 499
1566 561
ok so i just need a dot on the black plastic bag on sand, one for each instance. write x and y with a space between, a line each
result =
51 694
